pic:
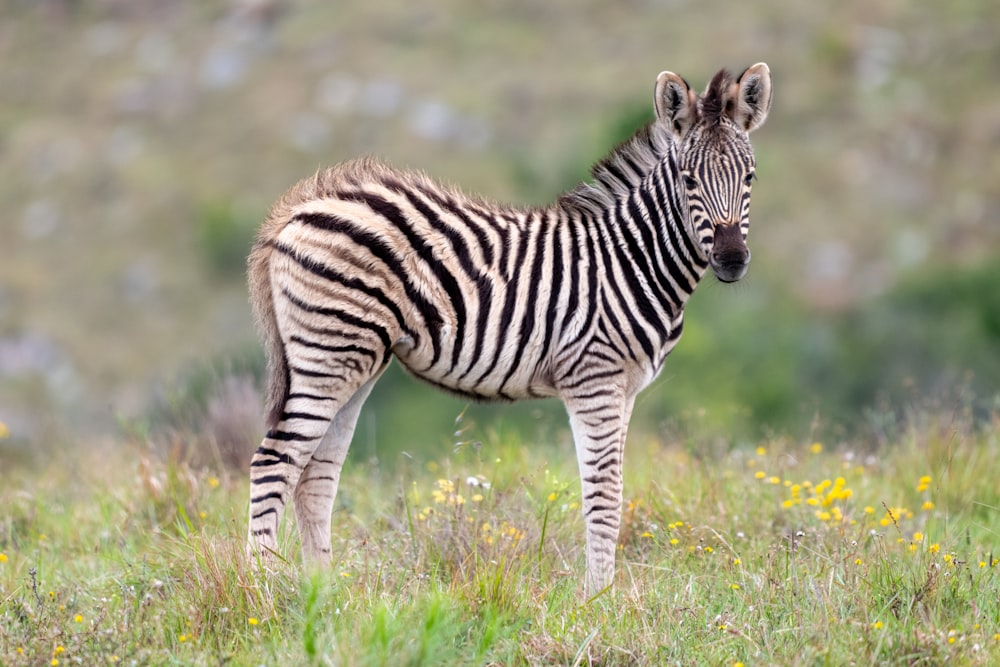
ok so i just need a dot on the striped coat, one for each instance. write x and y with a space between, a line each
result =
581 300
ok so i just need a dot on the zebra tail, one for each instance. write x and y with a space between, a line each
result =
262 302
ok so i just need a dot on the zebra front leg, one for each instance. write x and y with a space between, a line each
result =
317 487
599 423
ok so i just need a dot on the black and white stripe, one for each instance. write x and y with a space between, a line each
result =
580 300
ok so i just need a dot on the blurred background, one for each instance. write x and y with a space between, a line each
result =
143 141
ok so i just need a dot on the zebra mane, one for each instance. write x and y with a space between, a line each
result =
622 170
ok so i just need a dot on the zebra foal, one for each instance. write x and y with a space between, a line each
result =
580 300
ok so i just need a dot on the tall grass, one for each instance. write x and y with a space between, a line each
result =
787 552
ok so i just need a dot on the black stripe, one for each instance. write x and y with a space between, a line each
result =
485 288
280 457
580 379
312 397
260 515
575 256
287 436
317 374
550 307
333 348
308 416
269 479
592 394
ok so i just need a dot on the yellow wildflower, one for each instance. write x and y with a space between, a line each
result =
4 431
934 548
816 448
252 621
213 482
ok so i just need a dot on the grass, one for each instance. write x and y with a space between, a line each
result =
788 552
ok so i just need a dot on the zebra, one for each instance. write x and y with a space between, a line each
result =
581 300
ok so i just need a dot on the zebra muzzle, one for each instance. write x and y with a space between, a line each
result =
730 256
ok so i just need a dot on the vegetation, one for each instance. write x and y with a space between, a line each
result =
786 552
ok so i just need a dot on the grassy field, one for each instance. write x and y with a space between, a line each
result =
785 552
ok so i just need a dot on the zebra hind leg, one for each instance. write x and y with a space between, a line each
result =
317 487
311 411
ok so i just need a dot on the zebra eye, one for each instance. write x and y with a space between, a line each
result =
689 182
749 178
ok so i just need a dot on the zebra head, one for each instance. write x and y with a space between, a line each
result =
715 159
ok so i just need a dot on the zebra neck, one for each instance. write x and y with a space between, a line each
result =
635 208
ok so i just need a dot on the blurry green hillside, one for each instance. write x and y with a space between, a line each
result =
141 142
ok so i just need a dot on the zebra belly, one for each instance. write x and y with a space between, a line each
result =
497 368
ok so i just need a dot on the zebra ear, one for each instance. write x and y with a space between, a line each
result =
675 102
749 99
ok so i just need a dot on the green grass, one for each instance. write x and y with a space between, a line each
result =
788 552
